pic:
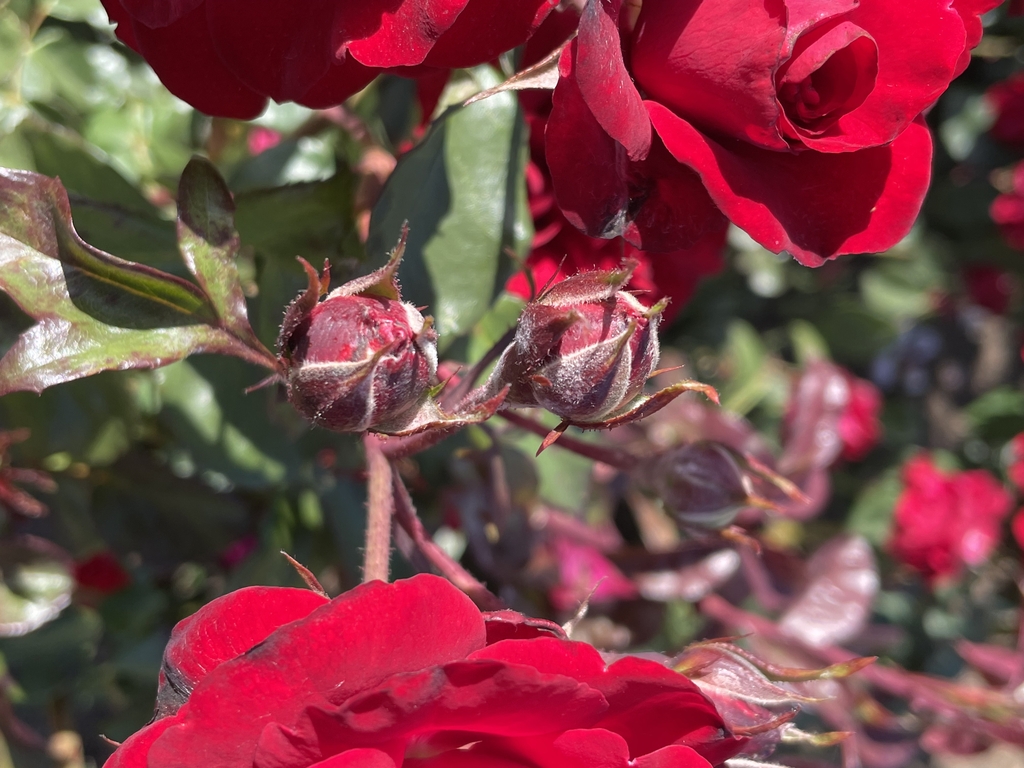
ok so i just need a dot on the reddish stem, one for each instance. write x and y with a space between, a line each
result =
380 509
611 456
406 517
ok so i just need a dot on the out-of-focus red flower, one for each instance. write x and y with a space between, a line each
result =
944 522
410 674
799 121
238 550
1007 99
859 426
102 573
227 57
261 139
989 287
1015 470
1007 210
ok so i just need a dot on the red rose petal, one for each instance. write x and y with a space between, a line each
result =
651 706
674 756
486 28
223 630
605 85
970 11
812 204
119 16
341 81
388 34
548 655
479 697
657 205
349 645
714 63
200 78
134 751
913 70
276 50
512 625
159 13
357 758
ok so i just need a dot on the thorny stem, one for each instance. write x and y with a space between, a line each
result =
380 508
405 516
611 456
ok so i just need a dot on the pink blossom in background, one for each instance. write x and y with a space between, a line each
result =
261 139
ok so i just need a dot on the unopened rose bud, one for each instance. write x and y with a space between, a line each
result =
583 349
361 359
701 484
364 360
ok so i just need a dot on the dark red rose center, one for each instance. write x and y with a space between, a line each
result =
830 74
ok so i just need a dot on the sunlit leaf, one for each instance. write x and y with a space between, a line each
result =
462 191
94 311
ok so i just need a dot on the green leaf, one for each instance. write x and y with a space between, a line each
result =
37 584
312 220
109 212
209 243
94 311
871 513
462 191
747 357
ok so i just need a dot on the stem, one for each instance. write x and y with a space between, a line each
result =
380 508
611 456
405 516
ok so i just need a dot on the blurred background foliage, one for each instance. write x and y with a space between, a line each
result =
165 489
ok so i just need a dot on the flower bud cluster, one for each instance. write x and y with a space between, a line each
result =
364 360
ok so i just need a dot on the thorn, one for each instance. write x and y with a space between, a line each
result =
306 575
110 741
552 436
666 370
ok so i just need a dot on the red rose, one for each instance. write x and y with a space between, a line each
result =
409 674
859 427
799 121
227 57
946 521
102 573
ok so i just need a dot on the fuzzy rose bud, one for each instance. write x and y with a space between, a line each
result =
360 362
364 360
583 350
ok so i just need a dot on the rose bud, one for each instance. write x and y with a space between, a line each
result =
583 351
707 484
362 359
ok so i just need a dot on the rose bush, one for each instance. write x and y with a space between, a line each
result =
945 521
799 121
227 57
409 674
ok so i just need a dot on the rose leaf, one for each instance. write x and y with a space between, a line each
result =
93 311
